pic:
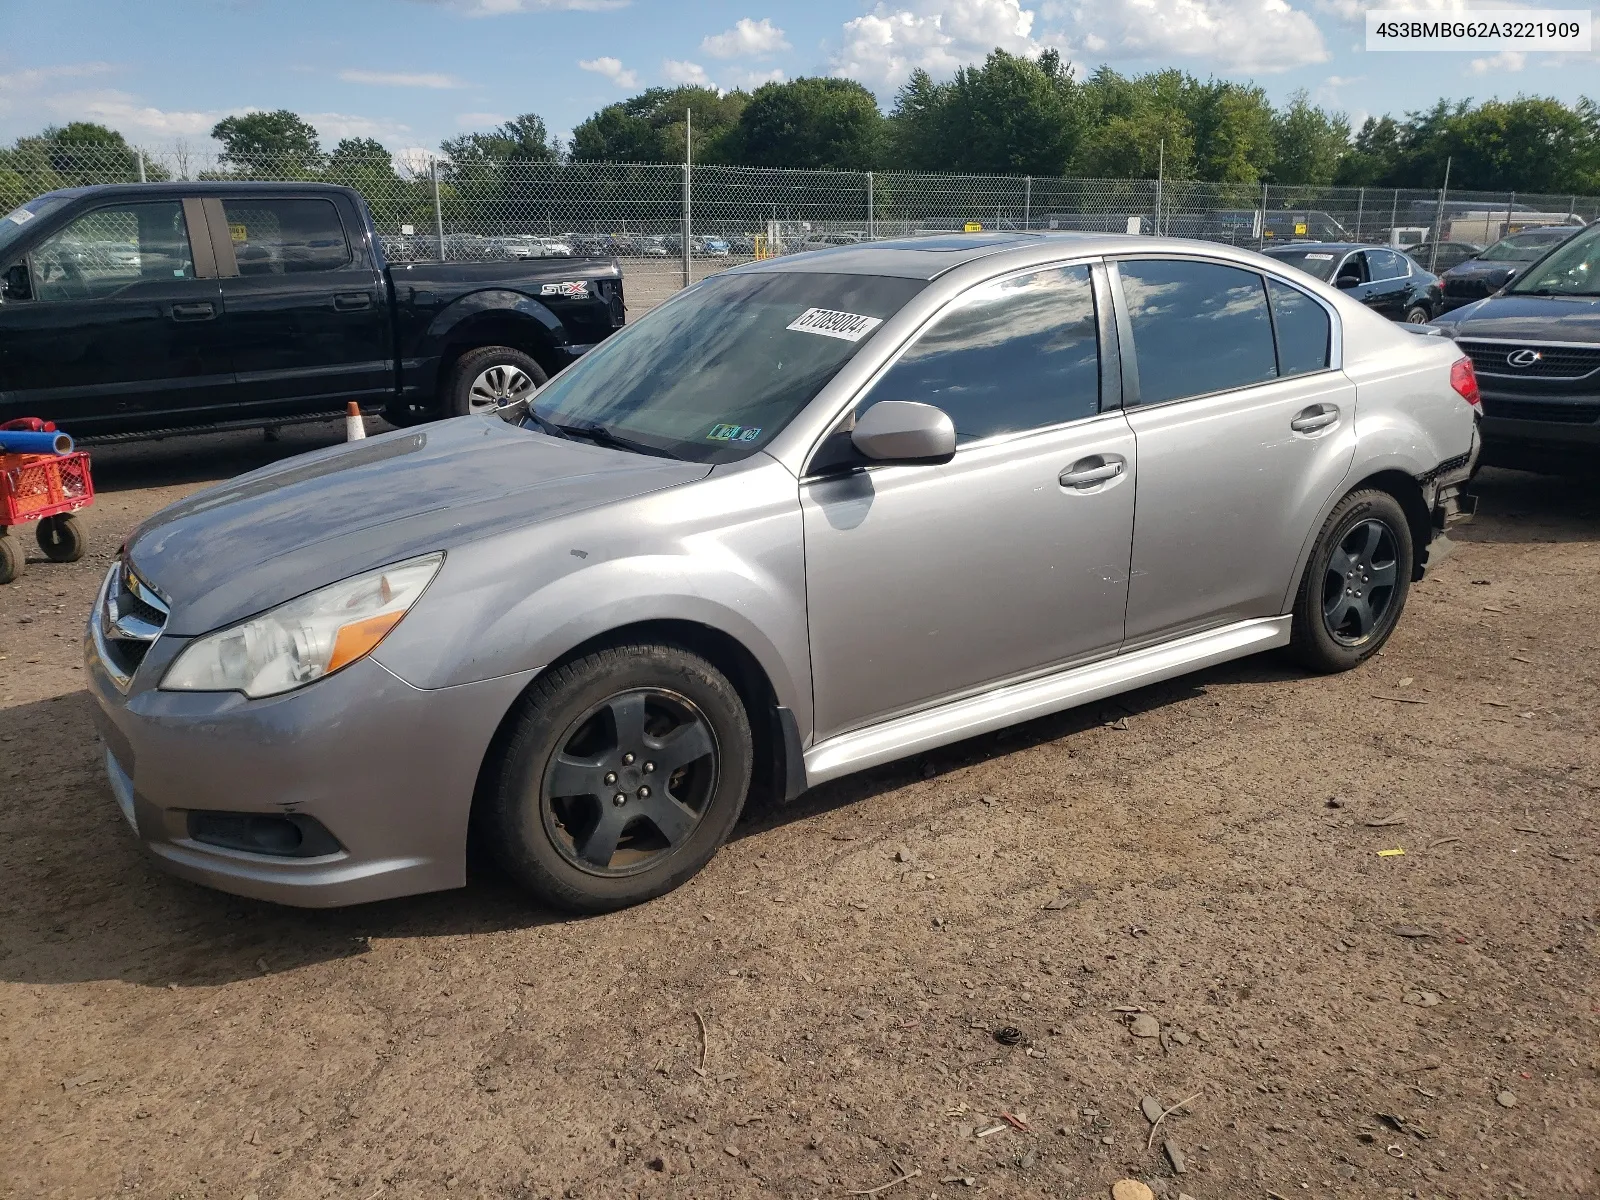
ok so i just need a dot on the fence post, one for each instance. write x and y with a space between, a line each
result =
872 228
1394 218
1361 204
688 169
1027 203
140 155
1261 236
1438 220
438 209
1161 169
1510 204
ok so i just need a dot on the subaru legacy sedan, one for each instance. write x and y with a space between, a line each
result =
810 515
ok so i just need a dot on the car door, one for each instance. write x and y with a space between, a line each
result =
1388 287
121 324
306 306
1244 429
928 581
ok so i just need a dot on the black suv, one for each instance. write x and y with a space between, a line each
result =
1535 346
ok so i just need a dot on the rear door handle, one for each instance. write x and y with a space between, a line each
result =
352 301
1087 472
1317 417
201 311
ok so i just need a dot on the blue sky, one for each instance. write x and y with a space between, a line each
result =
410 72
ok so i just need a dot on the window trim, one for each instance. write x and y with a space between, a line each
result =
221 232
1095 263
183 212
1130 366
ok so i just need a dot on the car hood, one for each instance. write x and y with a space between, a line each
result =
242 547
1527 318
1482 268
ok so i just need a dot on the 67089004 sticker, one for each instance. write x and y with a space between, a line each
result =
849 327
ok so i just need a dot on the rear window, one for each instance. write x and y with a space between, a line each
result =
286 237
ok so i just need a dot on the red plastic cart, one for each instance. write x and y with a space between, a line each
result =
47 488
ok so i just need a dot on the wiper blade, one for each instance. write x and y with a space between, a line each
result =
546 424
601 436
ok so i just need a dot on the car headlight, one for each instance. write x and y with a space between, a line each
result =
305 639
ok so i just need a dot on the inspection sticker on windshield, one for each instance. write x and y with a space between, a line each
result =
1320 257
577 288
733 433
19 216
849 327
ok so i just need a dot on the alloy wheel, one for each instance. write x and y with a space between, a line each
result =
498 386
1358 586
630 781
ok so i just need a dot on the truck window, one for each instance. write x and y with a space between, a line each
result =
286 237
107 250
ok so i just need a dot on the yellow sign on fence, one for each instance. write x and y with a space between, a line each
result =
973 227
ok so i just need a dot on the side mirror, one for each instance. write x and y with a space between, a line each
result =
1346 282
905 431
14 283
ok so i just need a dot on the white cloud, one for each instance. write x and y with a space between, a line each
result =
334 126
751 80
612 69
423 79
1226 35
124 113
499 8
1354 11
680 72
747 39
882 48
32 78
1498 64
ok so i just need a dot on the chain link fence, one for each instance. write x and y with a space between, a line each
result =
675 224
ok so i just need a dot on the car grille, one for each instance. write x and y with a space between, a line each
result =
1555 362
1529 410
128 618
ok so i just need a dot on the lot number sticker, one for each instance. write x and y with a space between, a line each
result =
849 327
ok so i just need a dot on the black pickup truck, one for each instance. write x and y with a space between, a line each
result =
148 308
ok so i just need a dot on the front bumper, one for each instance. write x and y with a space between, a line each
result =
388 769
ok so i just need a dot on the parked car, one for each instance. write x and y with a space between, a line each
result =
710 246
1386 281
1536 347
687 573
1441 258
522 246
1499 264
247 303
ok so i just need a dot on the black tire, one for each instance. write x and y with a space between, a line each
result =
60 538
547 814
474 365
12 562
1418 314
1355 585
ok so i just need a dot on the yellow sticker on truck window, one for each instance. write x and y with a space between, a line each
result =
238 233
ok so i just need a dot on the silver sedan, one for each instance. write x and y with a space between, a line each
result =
811 515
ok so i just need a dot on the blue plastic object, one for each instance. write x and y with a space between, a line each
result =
14 441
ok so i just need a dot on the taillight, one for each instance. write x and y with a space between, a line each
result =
1465 381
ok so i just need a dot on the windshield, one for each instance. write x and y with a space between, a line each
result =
1572 270
1313 262
16 222
713 374
1521 247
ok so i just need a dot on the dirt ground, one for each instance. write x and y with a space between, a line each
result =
1203 857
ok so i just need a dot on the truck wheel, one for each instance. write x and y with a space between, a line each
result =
12 563
490 377
624 772
1355 585
60 538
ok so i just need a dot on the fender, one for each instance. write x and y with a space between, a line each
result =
456 316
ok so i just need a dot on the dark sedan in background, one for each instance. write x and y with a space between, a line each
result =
1445 255
1499 264
1386 281
1536 349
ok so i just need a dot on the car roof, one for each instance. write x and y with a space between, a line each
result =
932 256
199 187
1299 247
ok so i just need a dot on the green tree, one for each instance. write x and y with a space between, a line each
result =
521 139
649 127
268 143
809 123
1528 144
1374 156
1133 127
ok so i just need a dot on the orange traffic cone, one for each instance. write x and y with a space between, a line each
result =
354 427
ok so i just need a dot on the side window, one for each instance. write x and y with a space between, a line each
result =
1385 264
1353 269
110 249
285 237
1197 327
1303 330
1014 355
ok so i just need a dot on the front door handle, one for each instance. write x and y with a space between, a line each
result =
1087 472
1318 416
352 301
201 311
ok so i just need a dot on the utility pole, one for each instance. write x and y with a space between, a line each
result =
438 210
140 154
688 169
1438 220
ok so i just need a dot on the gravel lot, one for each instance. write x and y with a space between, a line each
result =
1206 851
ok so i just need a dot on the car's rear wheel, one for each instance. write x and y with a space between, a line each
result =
1355 584
491 377
622 774
1418 314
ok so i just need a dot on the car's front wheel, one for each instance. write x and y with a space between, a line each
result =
622 774
1418 314
1355 584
